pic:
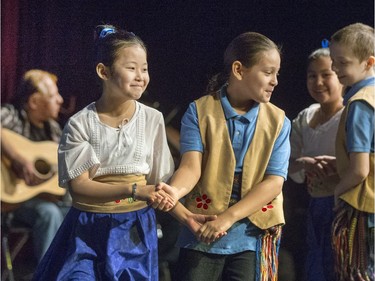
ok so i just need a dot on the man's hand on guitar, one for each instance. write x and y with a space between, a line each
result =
25 170
28 168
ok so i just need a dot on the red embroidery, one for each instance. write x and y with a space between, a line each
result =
265 208
202 202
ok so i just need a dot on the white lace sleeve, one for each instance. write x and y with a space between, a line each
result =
75 154
161 162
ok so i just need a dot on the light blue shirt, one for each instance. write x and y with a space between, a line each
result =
360 120
242 236
360 127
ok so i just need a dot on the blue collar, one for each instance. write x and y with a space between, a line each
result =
351 91
230 113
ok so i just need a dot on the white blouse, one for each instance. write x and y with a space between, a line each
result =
138 147
307 141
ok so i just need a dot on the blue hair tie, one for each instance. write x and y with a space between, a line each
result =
106 31
325 43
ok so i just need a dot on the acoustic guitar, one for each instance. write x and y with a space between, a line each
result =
44 156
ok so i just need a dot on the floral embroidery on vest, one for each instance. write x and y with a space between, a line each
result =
202 200
268 206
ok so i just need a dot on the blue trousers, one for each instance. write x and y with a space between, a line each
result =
44 218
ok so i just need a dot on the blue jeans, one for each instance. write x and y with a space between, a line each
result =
44 218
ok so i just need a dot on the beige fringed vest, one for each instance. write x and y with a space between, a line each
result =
212 193
361 197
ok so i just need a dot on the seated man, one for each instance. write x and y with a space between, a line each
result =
37 105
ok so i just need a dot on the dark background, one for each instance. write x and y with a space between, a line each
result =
186 41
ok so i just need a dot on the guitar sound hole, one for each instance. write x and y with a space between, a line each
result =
43 167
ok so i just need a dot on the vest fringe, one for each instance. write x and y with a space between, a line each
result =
267 251
353 244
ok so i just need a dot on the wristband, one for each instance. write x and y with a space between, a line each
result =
134 190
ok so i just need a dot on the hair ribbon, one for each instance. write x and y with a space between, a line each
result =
325 43
106 31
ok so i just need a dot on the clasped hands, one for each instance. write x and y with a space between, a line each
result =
320 166
206 228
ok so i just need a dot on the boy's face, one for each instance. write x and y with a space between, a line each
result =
347 66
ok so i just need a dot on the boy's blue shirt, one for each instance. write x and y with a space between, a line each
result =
360 120
351 91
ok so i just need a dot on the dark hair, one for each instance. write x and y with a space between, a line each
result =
246 48
358 37
318 53
109 40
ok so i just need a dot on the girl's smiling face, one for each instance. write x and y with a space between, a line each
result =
259 81
129 73
322 82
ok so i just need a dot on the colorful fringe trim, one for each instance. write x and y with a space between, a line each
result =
268 245
353 244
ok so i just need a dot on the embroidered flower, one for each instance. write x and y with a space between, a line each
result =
268 206
202 202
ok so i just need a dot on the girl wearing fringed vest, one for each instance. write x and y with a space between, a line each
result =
235 151
112 154
352 52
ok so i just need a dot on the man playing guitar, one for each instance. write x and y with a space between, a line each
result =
32 115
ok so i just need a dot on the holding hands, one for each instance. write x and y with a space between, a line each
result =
214 228
320 166
155 197
206 228
172 193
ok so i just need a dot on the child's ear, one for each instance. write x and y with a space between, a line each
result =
237 69
102 71
370 62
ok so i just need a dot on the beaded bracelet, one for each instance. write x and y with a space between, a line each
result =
134 190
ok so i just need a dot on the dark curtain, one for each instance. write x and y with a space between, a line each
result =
49 35
185 42
9 47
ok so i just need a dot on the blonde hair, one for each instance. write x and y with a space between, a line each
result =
30 84
358 37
